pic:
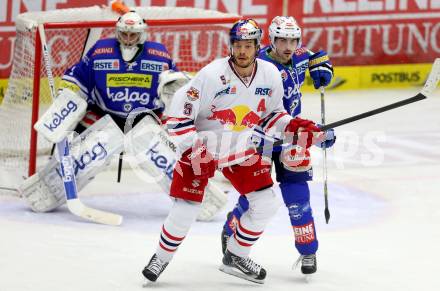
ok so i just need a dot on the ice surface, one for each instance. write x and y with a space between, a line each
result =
384 234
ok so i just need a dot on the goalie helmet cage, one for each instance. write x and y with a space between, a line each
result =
194 37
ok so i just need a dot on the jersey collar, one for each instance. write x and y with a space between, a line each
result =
243 80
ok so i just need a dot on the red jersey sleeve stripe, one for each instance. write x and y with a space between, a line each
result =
180 132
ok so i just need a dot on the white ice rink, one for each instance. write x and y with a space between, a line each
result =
384 231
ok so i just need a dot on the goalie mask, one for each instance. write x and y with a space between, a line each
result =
284 27
130 32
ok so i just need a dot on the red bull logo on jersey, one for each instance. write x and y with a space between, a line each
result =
236 118
192 94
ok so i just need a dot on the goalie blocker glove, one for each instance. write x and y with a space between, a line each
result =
320 69
62 116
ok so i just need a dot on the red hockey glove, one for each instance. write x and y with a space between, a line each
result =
198 160
307 131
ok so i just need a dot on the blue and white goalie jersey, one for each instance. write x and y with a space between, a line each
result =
116 86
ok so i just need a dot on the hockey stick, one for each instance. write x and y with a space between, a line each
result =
14 191
121 158
226 161
74 205
324 158
428 88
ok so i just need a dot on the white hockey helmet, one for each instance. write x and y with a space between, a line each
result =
134 23
284 27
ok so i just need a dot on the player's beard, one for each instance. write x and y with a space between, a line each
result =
284 56
244 63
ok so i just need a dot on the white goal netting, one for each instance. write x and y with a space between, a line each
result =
194 37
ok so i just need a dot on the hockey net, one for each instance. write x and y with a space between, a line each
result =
194 37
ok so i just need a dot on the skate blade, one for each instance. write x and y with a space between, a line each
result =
308 278
233 272
147 283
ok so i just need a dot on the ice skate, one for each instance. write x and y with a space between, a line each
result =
153 270
243 268
308 265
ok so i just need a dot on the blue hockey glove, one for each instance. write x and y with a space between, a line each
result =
320 69
330 139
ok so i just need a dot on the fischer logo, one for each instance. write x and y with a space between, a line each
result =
96 153
127 96
161 161
58 118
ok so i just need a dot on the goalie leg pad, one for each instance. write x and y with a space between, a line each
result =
91 151
156 156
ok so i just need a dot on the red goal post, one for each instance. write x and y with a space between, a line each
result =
194 37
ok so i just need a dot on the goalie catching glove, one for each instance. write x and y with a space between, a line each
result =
169 82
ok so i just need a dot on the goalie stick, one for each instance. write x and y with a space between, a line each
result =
427 90
14 190
74 205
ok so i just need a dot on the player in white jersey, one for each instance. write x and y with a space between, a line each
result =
212 117
292 59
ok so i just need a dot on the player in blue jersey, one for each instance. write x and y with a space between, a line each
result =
117 77
120 75
293 168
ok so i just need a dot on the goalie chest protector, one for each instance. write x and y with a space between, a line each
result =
117 86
